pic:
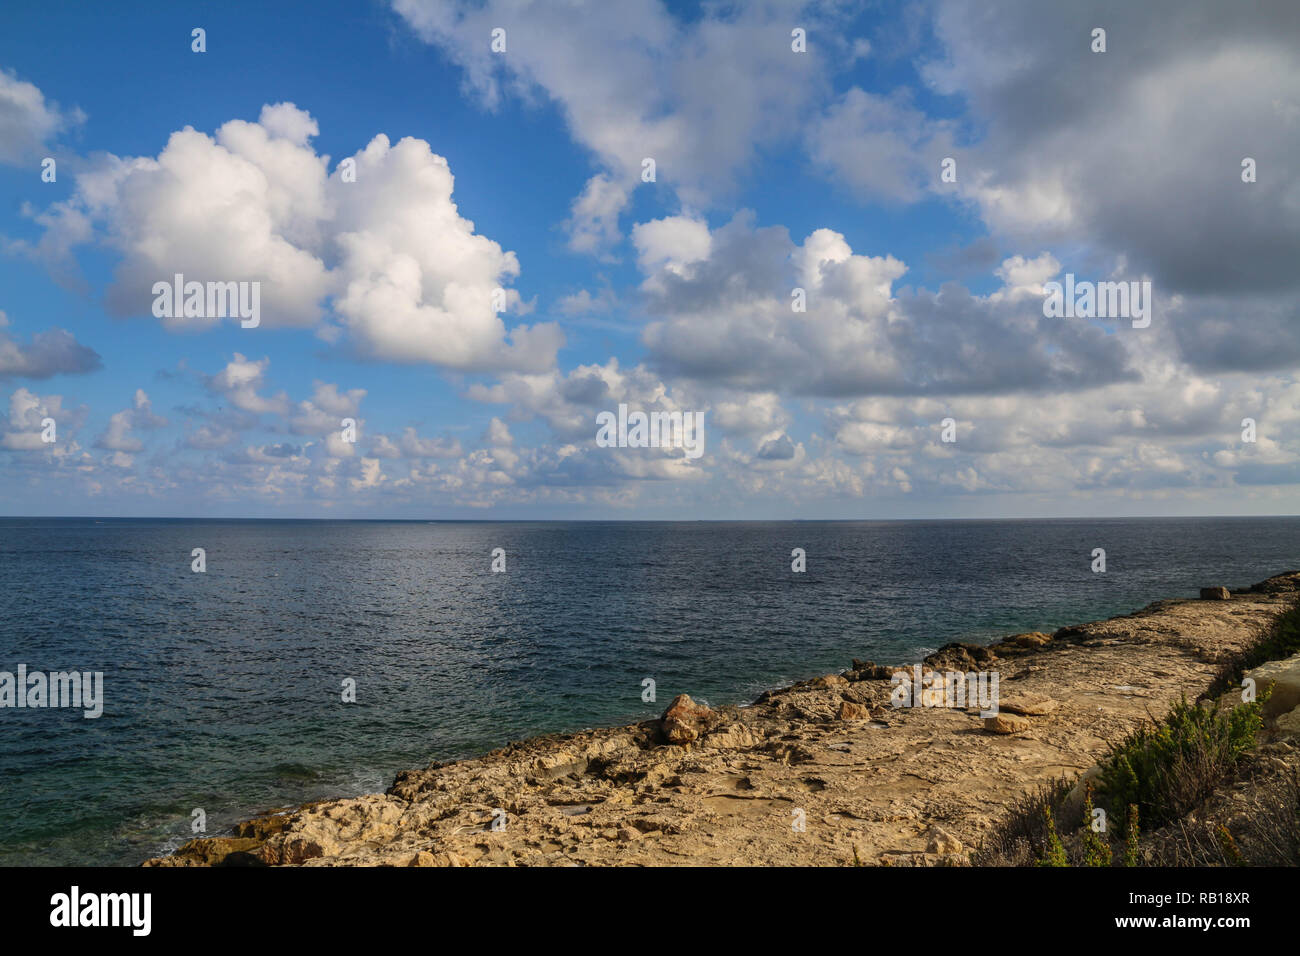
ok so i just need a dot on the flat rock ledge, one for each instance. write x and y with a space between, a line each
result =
823 772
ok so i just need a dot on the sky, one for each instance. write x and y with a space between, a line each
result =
829 228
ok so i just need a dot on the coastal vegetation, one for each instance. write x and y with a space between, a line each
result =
1205 781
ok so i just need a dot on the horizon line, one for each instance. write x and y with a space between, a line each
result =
1178 517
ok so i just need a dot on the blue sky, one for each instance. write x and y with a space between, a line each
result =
774 168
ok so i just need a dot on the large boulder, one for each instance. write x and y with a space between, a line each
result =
1005 723
957 656
853 711
1072 806
1284 677
869 670
1215 594
1022 642
685 721
942 842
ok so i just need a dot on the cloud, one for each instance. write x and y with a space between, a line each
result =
419 281
1175 429
323 414
210 437
245 205
729 318
28 122
748 413
780 448
568 404
27 414
583 302
118 437
1136 153
411 446
671 244
53 352
593 226
634 82
239 383
1123 165
386 261
881 147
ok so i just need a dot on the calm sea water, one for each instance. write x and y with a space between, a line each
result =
223 689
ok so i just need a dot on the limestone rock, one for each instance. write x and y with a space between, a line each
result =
830 680
1022 642
942 842
1215 594
1072 806
685 720
1029 705
1289 723
736 736
957 656
852 711
1284 677
260 828
859 693
297 848
222 851
425 858
869 670
1285 583
1004 723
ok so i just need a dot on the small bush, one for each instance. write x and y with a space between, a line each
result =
1131 837
1166 769
1267 830
1021 838
1055 855
1096 847
1229 846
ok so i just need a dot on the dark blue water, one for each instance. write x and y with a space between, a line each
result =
223 689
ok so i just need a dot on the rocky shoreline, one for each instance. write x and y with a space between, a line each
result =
824 772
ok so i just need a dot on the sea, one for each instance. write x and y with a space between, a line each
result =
314 659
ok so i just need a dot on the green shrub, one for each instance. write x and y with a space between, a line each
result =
1131 837
1021 838
1229 846
1096 847
1055 855
1167 768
